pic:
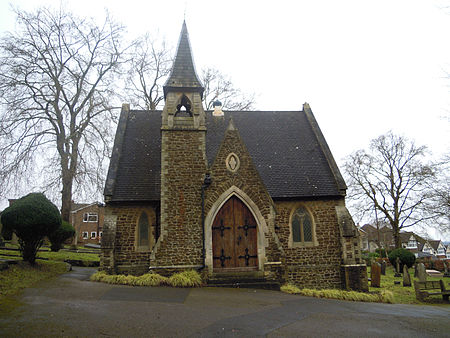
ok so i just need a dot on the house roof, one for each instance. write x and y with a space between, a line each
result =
79 206
434 243
287 148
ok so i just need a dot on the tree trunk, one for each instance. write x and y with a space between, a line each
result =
66 195
397 241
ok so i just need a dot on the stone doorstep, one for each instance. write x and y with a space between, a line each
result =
250 279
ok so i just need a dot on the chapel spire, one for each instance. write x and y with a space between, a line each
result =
183 76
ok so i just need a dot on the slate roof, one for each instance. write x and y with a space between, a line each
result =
287 148
183 73
434 243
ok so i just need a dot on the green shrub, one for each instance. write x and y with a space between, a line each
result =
381 252
31 218
369 257
60 235
406 258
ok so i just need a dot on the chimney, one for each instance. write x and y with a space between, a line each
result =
217 108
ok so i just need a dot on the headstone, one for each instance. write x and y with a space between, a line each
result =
446 272
406 276
397 267
421 272
375 275
383 267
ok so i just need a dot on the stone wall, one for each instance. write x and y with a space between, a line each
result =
120 253
183 168
316 266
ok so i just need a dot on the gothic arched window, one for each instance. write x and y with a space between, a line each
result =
302 228
144 231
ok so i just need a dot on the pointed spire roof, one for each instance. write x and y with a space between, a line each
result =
183 75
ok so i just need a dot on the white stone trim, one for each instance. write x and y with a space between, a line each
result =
233 167
262 228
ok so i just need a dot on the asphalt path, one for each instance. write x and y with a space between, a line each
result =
72 306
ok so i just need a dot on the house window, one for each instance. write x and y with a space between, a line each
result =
90 217
441 252
302 229
93 234
85 235
412 244
100 234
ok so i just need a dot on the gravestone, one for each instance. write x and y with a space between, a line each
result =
406 276
397 267
446 272
375 275
421 272
383 267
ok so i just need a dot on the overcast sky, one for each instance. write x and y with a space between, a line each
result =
365 67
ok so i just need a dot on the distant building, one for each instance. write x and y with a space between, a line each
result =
372 239
438 248
87 219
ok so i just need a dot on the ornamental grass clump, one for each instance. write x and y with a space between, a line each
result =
291 289
149 279
186 279
383 297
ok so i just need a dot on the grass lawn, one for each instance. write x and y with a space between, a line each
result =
20 276
407 295
61 255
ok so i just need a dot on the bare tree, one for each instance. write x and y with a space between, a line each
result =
56 88
393 179
149 66
439 205
219 87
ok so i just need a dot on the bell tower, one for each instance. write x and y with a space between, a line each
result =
183 165
183 91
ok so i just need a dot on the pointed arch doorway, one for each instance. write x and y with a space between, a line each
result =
234 238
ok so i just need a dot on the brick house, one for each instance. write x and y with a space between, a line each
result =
231 193
87 219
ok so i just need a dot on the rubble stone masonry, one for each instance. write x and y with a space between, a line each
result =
313 266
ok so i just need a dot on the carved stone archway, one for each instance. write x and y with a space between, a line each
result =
262 228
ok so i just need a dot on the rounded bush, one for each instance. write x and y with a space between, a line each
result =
406 258
60 235
31 218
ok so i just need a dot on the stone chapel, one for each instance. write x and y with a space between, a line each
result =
241 196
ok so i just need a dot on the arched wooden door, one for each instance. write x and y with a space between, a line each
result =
234 232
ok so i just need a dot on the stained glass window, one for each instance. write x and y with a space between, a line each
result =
302 228
143 227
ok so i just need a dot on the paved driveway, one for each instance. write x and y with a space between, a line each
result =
72 306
